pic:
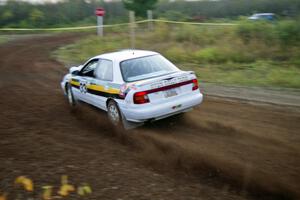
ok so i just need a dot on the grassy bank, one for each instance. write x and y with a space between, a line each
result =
252 54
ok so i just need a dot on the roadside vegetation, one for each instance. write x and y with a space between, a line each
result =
251 53
3 39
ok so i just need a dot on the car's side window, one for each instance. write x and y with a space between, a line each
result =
89 68
104 71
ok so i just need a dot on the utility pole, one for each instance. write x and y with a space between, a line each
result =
150 18
132 28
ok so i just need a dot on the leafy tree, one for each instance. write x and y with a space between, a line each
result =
140 7
36 16
7 14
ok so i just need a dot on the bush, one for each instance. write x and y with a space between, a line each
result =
258 30
223 55
285 32
186 33
288 32
200 35
161 32
241 57
296 62
177 54
210 55
174 15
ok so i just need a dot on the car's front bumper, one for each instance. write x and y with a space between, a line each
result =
62 85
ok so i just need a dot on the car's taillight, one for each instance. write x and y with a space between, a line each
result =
195 84
140 98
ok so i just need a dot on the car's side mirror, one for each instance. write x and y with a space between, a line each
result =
75 72
75 68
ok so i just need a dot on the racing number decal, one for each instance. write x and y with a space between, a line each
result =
83 87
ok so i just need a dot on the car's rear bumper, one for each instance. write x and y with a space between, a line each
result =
150 111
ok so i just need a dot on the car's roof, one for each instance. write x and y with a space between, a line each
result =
126 54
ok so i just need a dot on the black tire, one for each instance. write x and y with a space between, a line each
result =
114 114
70 96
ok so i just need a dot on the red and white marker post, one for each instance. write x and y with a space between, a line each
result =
100 12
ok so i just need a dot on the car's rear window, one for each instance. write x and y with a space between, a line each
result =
146 67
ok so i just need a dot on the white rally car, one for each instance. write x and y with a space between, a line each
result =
132 86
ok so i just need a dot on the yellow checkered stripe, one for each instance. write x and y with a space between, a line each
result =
74 83
98 90
101 88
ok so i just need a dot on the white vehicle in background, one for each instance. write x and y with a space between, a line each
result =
263 16
132 86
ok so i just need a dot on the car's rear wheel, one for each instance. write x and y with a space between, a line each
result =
71 99
114 113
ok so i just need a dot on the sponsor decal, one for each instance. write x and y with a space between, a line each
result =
172 81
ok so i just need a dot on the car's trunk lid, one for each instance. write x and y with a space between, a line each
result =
167 86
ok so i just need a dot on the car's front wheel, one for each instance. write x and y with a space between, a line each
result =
71 99
114 113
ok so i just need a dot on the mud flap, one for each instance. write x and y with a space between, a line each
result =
129 125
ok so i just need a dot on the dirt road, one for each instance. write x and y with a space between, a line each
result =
256 95
221 150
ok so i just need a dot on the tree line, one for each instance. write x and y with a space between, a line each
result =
75 12
228 8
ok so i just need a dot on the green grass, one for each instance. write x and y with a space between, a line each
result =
255 74
3 39
248 54
86 48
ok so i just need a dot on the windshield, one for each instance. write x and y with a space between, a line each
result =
146 67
